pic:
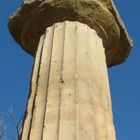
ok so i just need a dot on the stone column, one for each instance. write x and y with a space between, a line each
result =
73 42
70 97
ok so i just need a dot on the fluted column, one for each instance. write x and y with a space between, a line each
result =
70 96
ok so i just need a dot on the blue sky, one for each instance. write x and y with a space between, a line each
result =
16 66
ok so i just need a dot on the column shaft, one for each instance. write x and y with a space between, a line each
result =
70 96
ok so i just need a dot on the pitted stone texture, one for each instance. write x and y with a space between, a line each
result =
34 16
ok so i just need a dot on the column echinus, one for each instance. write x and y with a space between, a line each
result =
73 43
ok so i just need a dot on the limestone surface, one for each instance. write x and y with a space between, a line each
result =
69 96
34 16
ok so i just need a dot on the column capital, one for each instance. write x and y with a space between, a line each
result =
34 16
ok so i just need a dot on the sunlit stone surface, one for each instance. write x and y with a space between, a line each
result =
73 43
70 97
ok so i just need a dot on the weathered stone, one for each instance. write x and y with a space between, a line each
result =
34 16
70 100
